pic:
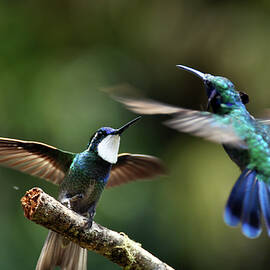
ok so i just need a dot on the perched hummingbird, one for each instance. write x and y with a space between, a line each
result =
82 178
245 139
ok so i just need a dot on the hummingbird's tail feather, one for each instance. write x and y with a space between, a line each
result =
58 251
264 196
243 204
233 209
251 217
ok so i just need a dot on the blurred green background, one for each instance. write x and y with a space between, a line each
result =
56 56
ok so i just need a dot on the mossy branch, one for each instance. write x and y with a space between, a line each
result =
117 247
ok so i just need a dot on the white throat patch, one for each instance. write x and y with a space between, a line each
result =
108 148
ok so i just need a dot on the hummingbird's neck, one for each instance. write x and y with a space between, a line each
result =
227 102
89 163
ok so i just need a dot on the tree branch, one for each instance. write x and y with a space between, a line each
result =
117 247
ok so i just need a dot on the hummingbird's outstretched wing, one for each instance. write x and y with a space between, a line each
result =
204 124
264 121
147 106
207 125
35 158
132 167
264 117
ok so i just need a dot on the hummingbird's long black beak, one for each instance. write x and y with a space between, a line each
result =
212 93
120 130
192 70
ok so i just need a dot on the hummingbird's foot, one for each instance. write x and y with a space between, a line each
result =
66 202
69 202
90 214
89 224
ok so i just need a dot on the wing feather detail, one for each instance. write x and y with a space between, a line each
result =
147 106
204 124
35 158
207 125
132 167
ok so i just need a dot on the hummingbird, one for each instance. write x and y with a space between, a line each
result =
81 178
245 139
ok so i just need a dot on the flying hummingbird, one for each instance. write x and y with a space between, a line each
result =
245 139
81 178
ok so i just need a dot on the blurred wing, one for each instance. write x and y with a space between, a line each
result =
207 125
35 158
147 106
265 117
132 167
203 124
264 121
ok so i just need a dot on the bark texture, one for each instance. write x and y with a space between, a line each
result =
117 247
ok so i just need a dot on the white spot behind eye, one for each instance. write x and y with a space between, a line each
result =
92 140
108 148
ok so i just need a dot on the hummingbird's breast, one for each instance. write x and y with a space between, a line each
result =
241 120
259 148
85 181
256 136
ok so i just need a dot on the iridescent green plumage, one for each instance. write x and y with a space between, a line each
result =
87 177
245 139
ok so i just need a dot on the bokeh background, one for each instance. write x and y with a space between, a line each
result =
57 56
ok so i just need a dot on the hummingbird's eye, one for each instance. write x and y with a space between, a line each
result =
208 83
96 135
244 97
100 133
